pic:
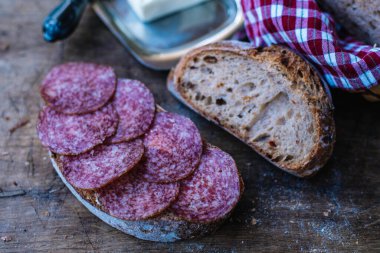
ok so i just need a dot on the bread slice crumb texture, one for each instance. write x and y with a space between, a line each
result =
256 99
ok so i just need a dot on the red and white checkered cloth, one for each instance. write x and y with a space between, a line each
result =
303 27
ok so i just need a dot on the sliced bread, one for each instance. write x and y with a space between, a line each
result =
269 98
165 228
360 18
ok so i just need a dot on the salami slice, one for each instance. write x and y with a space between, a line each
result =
101 165
212 191
132 198
136 107
173 147
76 88
74 134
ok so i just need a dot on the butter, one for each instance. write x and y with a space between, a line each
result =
149 10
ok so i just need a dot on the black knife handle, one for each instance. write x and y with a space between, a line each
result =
63 20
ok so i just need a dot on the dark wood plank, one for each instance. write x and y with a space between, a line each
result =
336 211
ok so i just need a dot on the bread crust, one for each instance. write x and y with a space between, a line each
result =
307 84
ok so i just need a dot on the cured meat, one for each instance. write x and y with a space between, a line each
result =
132 198
76 88
212 191
173 147
74 134
101 165
135 105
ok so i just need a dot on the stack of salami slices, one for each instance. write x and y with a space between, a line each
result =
140 169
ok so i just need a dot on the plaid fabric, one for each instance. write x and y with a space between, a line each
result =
301 25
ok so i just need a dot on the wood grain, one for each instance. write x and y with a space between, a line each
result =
336 211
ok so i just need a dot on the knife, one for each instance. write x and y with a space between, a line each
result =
63 19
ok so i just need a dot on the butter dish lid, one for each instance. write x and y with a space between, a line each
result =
160 43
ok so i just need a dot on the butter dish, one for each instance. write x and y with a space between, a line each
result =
159 44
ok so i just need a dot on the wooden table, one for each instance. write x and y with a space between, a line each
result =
336 211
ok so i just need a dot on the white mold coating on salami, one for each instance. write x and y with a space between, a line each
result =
76 88
173 147
212 191
75 134
101 165
132 198
136 107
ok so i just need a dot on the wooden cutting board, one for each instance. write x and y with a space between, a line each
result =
336 211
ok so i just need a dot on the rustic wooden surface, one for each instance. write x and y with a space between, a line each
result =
336 211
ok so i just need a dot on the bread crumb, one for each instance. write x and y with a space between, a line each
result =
44 158
27 163
253 221
6 238
21 123
4 46
292 221
326 214
45 213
